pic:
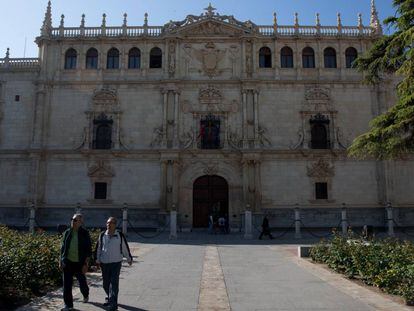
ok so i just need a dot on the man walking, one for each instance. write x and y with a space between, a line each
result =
111 248
265 229
75 252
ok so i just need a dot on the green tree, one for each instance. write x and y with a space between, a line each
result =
391 134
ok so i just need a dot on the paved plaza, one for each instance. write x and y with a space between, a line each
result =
198 271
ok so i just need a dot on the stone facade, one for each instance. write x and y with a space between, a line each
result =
214 74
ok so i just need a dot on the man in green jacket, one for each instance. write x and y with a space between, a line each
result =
75 252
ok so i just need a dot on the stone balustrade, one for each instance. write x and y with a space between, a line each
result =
19 62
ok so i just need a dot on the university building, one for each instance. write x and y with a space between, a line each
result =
207 115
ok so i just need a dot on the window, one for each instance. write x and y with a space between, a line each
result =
102 132
265 57
210 132
321 191
70 59
100 190
134 58
17 98
92 59
112 60
329 56
155 58
351 55
319 132
308 58
286 57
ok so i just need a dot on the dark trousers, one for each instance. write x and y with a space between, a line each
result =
265 232
110 280
70 270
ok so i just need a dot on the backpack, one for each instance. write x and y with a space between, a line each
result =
100 239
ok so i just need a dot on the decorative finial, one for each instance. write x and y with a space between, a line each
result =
125 20
8 53
62 21
83 21
210 10
296 20
338 19
374 20
318 21
274 19
360 20
146 19
47 22
103 20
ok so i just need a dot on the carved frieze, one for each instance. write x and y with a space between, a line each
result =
104 96
321 168
210 95
317 93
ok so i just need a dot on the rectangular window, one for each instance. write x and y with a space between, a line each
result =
17 98
100 190
321 191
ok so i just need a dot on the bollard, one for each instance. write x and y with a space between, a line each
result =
173 224
298 235
390 220
125 219
344 220
32 215
248 224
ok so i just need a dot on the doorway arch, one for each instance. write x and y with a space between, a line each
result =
210 196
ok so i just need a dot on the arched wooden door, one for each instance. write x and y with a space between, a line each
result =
210 196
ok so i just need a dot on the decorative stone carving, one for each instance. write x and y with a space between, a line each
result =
157 136
104 97
317 93
261 136
210 58
249 58
100 170
187 139
321 168
211 169
299 143
209 95
234 138
171 58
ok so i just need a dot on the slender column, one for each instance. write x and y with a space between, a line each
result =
173 224
390 219
176 121
164 118
298 235
125 219
164 185
248 223
244 114
256 116
245 181
32 215
257 186
196 133
175 186
344 220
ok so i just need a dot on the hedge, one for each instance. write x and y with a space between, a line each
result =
387 264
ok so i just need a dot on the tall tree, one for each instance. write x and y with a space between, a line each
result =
391 135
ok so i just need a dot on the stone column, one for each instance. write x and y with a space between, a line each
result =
298 234
37 123
173 224
344 220
164 118
176 121
175 184
390 219
32 215
256 117
245 181
125 219
257 185
248 223
163 176
244 104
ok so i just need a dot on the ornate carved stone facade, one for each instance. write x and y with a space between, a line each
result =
142 113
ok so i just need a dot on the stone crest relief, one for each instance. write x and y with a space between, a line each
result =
100 170
321 168
317 93
210 58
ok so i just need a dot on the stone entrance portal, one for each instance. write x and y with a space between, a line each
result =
210 196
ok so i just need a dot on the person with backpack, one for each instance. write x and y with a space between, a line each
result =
111 247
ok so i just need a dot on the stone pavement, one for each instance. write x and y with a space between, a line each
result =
225 272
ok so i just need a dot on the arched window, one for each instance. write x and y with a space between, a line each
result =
286 57
155 58
265 57
329 57
319 132
70 59
112 60
134 58
92 59
351 55
102 132
308 58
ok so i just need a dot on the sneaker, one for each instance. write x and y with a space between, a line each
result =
85 299
106 303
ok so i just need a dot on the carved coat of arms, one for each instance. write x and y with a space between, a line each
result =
210 58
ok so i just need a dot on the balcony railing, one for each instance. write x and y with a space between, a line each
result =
19 63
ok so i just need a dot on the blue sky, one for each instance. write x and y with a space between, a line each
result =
22 19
